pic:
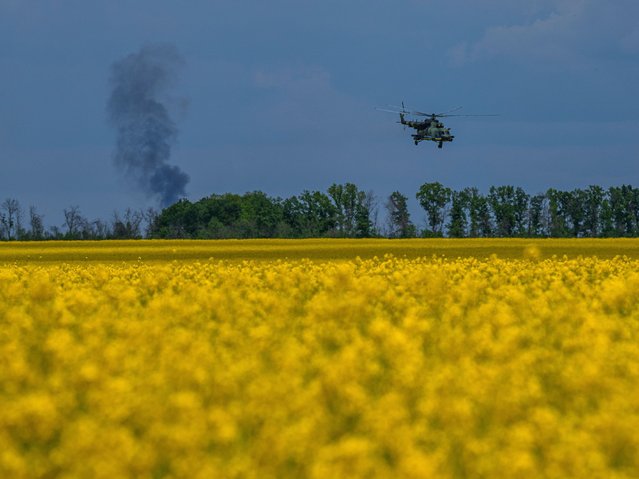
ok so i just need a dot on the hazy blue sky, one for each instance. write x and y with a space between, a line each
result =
279 95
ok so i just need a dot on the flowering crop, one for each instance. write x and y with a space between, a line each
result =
385 367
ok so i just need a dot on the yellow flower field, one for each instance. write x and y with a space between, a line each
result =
515 365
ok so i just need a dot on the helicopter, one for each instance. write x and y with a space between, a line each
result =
429 129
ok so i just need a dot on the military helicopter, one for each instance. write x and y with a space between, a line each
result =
430 129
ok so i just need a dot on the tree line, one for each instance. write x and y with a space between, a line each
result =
344 210
16 225
508 211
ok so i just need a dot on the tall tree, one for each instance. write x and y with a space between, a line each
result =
126 226
478 213
399 223
620 198
434 197
218 216
180 220
150 217
575 209
521 211
36 224
370 205
557 217
10 219
77 225
293 212
633 202
363 227
621 202
510 208
536 215
260 215
606 220
353 210
345 199
311 214
457 224
593 202
100 230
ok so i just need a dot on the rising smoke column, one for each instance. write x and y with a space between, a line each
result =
145 130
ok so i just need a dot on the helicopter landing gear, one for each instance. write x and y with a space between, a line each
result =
416 142
440 144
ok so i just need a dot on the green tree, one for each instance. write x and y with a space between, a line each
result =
634 209
364 227
521 202
593 202
260 215
458 221
180 220
620 198
344 198
352 214
557 221
574 202
293 213
606 219
310 215
400 225
478 213
434 197
219 215
536 215
510 207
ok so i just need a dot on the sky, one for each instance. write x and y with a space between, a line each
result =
280 96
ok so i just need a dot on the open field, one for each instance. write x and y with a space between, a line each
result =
316 249
150 360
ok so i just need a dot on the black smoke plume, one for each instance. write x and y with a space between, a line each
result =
145 130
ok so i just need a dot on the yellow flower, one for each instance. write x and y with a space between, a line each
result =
272 365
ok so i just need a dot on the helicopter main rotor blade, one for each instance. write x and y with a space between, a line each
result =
441 115
401 109
415 112
449 111
421 113
404 111
391 111
464 115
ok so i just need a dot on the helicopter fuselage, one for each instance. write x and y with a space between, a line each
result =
428 130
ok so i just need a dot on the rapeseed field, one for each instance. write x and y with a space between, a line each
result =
519 361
